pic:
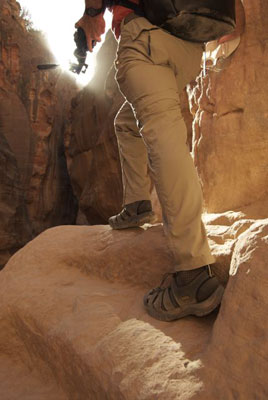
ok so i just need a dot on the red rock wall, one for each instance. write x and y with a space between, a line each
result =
35 188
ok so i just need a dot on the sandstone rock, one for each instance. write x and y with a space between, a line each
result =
73 316
230 141
50 196
33 115
236 359
223 232
72 322
15 229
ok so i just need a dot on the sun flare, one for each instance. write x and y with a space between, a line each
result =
57 19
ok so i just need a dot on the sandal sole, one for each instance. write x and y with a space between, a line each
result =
198 309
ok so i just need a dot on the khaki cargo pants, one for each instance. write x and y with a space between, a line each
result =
152 69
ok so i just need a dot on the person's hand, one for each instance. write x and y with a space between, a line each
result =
93 27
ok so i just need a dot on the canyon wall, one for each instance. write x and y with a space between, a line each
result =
72 321
230 141
35 191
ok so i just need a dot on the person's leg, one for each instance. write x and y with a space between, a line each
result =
133 157
149 79
135 178
152 68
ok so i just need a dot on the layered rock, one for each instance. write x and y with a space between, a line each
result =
36 192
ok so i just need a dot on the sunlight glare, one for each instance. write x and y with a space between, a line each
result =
57 19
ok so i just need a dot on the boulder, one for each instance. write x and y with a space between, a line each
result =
72 318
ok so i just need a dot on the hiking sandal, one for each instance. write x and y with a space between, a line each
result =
133 215
199 297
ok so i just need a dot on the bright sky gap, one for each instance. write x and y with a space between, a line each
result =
56 18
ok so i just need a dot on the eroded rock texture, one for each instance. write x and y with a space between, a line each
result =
35 189
230 130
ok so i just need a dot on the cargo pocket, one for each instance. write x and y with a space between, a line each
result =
134 46
156 46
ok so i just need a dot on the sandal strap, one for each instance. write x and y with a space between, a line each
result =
185 295
175 296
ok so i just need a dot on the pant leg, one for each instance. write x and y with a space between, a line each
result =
133 156
153 67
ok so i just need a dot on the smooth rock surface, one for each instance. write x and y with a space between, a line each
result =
72 316
72 313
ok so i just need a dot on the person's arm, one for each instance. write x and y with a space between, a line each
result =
93 27
240 23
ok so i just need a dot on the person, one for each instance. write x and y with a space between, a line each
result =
153 67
